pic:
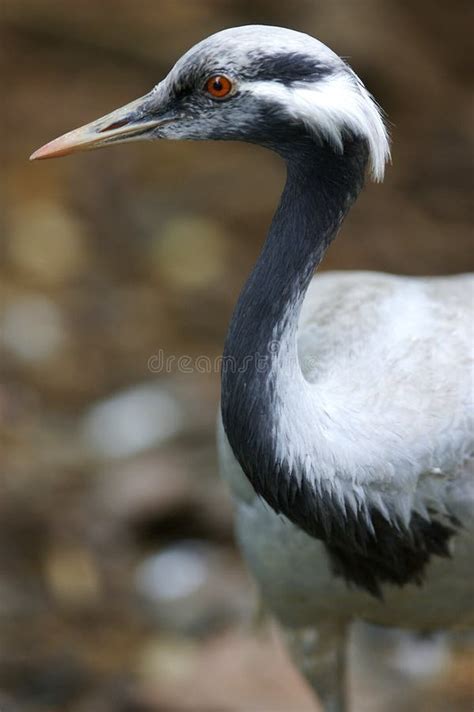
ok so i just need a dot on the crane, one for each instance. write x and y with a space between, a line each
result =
345 429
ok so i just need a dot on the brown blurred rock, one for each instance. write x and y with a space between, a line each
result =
32 328
190 252
220 674
46 242
194 587
72 576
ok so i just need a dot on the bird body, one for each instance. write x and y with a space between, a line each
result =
345 429
405 337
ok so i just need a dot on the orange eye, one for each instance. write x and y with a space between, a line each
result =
218 86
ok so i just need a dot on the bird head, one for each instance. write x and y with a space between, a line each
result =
260 84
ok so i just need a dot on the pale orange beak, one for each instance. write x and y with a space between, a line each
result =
131 122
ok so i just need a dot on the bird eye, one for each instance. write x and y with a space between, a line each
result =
219 86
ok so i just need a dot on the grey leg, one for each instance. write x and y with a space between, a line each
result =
319 653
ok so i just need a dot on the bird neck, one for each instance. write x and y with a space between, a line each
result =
281 429
261 371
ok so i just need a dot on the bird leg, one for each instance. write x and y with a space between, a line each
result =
319 654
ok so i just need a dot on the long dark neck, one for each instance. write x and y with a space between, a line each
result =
320 188
281 433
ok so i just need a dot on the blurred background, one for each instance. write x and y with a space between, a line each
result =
120 586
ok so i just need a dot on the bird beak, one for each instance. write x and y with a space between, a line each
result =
130 122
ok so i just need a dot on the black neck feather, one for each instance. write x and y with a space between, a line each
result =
320 188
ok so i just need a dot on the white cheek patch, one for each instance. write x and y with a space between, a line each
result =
330 107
